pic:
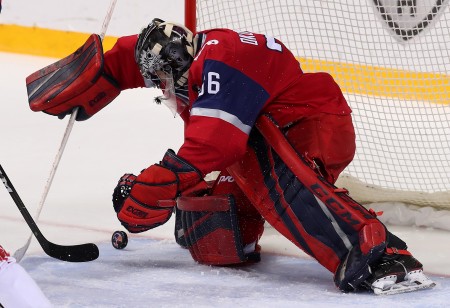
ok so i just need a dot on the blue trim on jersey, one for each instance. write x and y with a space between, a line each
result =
238 95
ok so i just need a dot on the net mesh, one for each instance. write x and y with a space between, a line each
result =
392 60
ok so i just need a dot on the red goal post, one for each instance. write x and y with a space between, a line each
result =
190 14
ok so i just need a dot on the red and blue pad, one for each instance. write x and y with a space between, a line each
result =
315 215
251 223
75 81
211 230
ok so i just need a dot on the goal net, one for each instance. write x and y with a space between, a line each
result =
392 61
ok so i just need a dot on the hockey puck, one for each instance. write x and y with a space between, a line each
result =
119 239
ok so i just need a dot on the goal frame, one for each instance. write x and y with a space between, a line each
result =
434 90
190 14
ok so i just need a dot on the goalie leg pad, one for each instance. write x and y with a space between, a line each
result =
78 80
325 229
211 231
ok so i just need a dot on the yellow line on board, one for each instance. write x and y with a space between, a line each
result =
44 42
384 82
353 78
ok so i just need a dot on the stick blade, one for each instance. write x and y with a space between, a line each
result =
76 253
20 253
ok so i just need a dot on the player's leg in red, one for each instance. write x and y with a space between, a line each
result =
290 207
329 145
343 236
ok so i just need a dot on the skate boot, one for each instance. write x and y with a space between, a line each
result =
397 271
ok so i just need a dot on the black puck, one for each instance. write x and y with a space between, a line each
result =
119 239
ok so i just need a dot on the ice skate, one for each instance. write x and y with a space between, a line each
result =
398 273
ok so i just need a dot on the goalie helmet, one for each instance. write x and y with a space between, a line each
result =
165 50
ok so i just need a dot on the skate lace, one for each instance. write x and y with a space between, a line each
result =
402 265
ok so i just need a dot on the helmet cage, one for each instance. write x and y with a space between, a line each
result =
165 47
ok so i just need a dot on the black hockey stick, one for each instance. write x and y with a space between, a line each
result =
75 253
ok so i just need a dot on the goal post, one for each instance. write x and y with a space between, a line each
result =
392 61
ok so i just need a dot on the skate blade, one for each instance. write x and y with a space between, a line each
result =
414 281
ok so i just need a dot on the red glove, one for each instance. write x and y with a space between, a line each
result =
141 202
3 254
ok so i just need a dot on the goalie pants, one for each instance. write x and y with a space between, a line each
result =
327 140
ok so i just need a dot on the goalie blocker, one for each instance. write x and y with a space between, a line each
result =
79 80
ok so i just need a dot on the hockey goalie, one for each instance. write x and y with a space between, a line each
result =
278 136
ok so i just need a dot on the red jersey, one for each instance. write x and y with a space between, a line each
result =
233 79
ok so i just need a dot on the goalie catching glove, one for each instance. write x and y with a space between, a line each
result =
79 80
146 201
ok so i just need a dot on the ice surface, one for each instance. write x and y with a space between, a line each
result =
158 273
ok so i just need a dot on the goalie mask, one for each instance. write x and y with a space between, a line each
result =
164 52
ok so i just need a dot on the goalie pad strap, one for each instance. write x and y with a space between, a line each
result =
211 231
206 203
75 81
